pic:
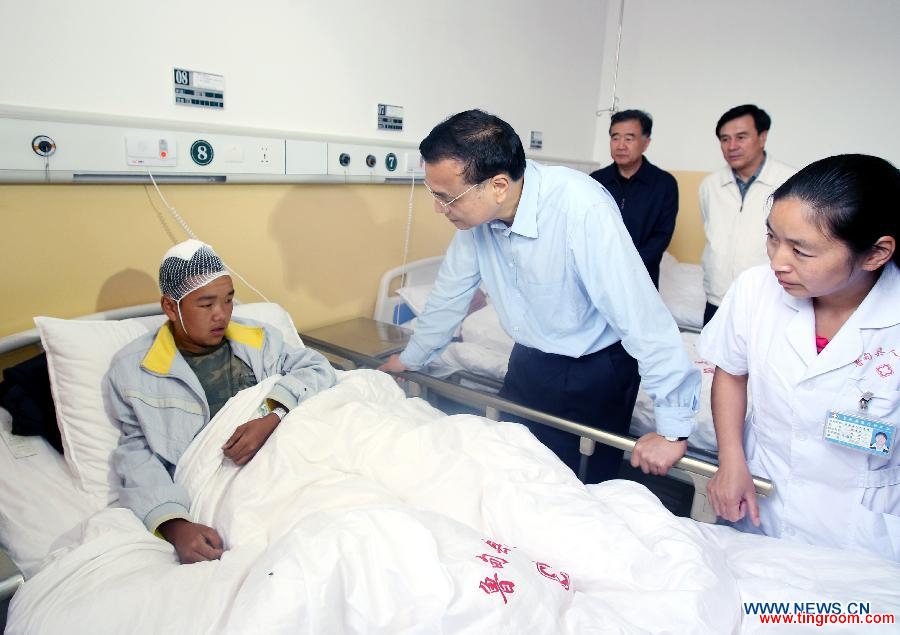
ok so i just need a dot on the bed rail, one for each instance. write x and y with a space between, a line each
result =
10 580
16 341
418 272
689 469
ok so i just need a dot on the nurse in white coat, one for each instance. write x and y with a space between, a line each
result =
816 332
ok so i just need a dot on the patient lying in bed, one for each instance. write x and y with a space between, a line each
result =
164 388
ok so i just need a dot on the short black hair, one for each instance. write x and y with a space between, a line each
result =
853 198
642 117
761 118
485 145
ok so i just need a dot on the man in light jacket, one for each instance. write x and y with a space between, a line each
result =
734 201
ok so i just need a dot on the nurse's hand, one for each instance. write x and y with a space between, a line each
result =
732 494
393 365
655 455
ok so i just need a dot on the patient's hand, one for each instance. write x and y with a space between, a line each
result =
192 541
248 438
393 365
655 455
732 493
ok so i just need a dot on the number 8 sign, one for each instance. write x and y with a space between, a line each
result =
201 152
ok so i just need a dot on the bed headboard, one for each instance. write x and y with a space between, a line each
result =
388 305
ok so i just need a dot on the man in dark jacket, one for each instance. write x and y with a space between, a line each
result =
646 195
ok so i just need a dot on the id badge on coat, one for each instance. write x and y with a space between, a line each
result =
858 431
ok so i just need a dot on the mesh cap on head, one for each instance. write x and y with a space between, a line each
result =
188 266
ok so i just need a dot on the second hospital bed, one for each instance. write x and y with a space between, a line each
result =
371 512
480 354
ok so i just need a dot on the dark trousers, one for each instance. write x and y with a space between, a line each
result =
598 390
709 312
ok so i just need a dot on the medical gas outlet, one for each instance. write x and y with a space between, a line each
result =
367 161
43 145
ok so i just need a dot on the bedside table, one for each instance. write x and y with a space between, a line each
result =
361 335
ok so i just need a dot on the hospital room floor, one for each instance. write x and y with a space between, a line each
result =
675 496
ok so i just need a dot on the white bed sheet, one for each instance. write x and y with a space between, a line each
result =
38 500
370 512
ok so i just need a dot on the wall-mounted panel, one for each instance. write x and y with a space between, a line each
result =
50 150
95 149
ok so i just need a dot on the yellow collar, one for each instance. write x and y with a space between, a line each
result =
163 350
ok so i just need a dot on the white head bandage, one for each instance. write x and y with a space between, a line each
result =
185 268
188 266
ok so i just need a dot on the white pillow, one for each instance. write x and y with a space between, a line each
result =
78 356
483 328
415 297
681 288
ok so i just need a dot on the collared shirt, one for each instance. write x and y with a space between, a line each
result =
564 278
649 205
744 186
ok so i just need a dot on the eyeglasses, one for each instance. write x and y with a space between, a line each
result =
446 204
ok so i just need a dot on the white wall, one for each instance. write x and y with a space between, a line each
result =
316 67
825 70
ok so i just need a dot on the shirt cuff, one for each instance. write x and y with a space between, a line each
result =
674 421
163 513
409 358
282 395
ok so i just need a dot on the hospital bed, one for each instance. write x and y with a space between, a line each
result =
479 355
369 511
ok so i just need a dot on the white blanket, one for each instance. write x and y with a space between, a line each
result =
367 512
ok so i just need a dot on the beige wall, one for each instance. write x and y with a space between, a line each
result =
687 243
318 250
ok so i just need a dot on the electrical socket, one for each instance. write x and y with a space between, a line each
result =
265 156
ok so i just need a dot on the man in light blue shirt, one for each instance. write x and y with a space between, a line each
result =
550 248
